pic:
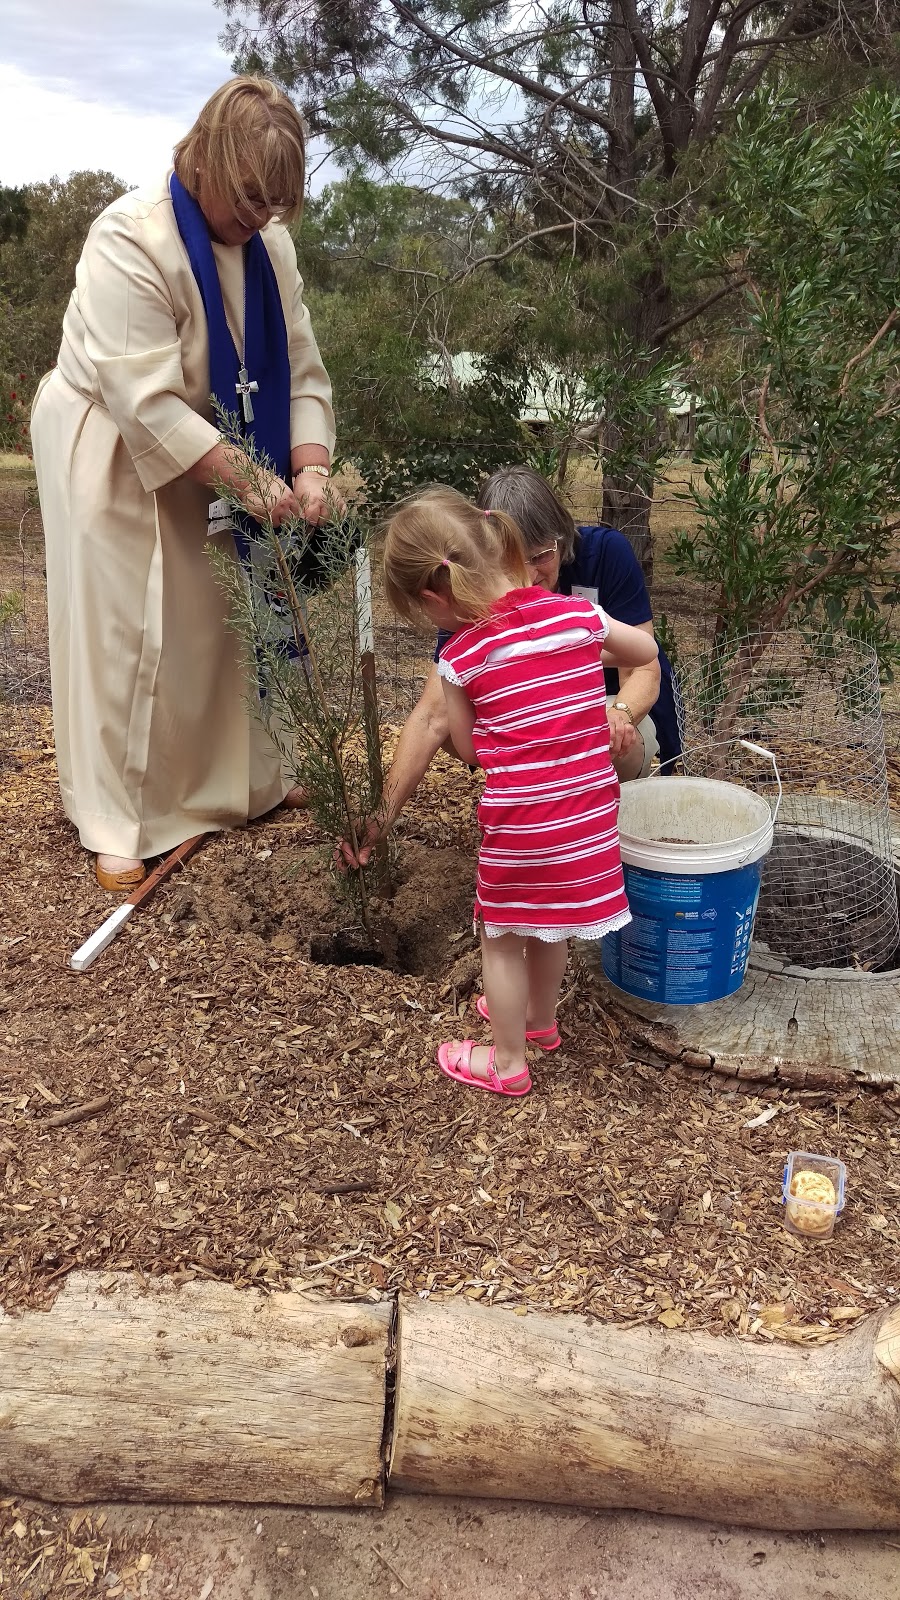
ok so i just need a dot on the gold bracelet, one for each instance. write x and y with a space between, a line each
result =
323 472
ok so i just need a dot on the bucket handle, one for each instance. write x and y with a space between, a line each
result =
759 750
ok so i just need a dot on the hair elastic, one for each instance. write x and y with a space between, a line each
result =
444 561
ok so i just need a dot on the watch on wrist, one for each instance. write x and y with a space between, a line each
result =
313 466
624 707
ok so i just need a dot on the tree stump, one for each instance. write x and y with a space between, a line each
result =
141 1391
558 1409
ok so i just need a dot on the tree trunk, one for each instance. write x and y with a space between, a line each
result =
142 1391
626 506
621 56
628 496
557 1409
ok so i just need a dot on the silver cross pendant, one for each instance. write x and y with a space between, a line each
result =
245 388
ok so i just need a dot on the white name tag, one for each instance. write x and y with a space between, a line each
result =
585 593
220 517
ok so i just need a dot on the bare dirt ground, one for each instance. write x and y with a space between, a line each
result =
430 1549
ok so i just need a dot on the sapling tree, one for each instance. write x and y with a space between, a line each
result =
800 498
300 604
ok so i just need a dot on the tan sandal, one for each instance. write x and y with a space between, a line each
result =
120 882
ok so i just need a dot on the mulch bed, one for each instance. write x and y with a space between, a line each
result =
50 1551
271 1119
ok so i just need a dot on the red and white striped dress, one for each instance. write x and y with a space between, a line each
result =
549 866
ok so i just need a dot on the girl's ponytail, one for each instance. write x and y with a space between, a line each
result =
511 543
439 541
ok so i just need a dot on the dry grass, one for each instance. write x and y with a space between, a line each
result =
24 664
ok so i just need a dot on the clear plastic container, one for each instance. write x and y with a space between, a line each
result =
813 1194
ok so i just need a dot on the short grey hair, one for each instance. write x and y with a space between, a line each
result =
527 497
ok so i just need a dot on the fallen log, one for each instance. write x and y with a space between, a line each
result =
141 1390
559 1409
128 1389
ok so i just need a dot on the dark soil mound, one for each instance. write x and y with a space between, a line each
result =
825 903
291 900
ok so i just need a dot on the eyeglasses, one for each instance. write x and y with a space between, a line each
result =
545 557
258 205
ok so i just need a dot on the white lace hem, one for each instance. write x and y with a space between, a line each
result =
594 930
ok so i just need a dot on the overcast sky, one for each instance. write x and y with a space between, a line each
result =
108 84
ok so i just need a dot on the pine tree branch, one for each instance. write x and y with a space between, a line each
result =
532 86
723 59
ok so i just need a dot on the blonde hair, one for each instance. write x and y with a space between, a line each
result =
438 540
248 144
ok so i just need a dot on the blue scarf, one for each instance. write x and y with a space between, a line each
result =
267 363
265 340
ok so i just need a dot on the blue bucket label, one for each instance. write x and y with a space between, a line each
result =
689 937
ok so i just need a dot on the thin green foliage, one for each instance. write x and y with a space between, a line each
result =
298 617
798 506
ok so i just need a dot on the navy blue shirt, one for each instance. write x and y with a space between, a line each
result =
605 570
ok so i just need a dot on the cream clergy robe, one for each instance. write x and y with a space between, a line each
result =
155 740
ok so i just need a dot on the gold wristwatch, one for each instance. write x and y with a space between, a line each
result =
624 707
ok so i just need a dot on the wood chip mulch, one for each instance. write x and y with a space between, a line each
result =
203 1104
51 1551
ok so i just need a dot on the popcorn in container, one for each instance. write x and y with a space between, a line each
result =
813 1194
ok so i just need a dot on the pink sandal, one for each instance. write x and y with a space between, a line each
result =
461 1069
534 1035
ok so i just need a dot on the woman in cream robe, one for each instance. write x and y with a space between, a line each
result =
155 739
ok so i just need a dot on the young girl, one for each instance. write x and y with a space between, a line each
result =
525 696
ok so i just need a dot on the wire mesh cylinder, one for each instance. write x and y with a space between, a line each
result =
829 889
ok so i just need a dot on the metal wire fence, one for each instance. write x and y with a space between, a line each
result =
829 891
24 659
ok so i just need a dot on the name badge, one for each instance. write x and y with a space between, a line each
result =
585 593
221 517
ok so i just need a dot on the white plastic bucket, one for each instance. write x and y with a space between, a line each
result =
692 902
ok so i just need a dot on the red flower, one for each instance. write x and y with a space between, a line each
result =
12 394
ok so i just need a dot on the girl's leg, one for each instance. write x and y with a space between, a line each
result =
545 964
506 986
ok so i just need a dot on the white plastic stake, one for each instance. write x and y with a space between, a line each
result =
760 750
99 940
363 581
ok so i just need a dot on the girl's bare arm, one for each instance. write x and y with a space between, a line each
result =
627 646
461 716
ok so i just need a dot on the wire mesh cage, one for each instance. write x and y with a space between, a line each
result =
24 666
829 889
